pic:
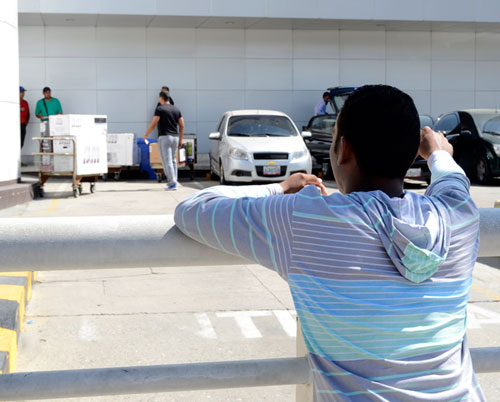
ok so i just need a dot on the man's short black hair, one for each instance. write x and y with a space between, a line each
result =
326 94
45 89
164 95
382 125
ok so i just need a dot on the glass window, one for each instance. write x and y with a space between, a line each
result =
425 121
448 123
492 126
323 123
260 126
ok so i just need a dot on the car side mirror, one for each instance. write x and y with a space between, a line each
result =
306 134
466 133
214 136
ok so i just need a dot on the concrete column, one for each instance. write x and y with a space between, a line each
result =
10 142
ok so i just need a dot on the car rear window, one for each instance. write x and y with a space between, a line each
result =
260 126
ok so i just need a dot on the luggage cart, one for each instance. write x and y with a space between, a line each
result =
46 172
190 161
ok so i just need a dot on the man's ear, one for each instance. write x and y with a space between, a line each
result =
345 153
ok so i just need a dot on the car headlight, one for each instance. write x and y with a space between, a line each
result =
299 154
496 147
236 153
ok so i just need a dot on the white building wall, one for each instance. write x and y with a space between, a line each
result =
118 71
10 141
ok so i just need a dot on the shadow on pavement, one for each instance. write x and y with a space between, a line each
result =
493 262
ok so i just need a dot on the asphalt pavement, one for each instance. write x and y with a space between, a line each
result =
110 318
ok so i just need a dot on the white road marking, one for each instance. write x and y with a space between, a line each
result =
287 321
477 316
244 321
87 331
207 330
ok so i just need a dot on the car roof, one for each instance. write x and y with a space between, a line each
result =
252 112
481 116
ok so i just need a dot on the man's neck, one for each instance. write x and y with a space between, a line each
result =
392 187
49 98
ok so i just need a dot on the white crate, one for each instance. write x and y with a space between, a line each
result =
122 149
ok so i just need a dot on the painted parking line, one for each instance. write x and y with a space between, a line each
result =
477 317
245 323
206 329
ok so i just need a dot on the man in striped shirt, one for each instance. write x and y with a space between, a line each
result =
380 277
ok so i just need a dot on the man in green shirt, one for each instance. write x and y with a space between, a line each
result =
47 106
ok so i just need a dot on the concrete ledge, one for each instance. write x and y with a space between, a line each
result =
17 193
15 291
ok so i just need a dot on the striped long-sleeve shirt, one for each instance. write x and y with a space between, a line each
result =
380 284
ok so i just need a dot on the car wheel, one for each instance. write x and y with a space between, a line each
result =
482 171
222 179
326 169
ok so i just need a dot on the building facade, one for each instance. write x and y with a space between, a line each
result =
112 56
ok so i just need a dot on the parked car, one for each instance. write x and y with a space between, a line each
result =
320 141
475 136
419 170
257 145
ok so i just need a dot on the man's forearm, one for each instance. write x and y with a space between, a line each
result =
151 127
441 164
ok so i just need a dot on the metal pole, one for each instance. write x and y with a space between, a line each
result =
152 379
303 392
132 242
49 244
181 377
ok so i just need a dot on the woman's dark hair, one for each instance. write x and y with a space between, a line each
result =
382 125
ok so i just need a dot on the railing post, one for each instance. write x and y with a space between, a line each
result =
304 392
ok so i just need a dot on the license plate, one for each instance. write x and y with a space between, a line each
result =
272 170
416 172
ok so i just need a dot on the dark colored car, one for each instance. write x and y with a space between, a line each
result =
419 170
320 140
475 136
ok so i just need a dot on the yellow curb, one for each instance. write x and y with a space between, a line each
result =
15 293
29 275
8 343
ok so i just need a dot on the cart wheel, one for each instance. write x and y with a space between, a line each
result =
41 192
76 192
117 176
158 177
92 188
80 189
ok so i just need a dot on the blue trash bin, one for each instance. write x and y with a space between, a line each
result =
145 165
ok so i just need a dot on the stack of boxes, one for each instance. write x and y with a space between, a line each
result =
90 132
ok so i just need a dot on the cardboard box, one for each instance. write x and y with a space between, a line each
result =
154 154
122 149
90 133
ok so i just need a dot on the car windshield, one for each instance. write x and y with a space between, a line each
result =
323 123
492 126
491 130
260 126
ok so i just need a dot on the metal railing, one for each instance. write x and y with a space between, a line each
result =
48 244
